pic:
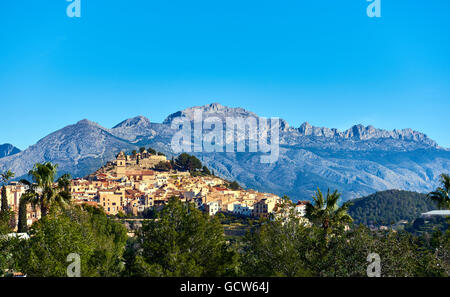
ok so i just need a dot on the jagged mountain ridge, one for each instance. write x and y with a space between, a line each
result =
361 132
358 161
357 132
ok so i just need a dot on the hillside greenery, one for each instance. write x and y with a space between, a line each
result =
389 207
182 241
428 226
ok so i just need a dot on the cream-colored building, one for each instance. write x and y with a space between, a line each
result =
112 201
264 207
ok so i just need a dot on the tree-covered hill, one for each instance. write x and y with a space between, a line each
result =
389 207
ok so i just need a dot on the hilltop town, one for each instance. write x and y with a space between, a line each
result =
144 180
135 183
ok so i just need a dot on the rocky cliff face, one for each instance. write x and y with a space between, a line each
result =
358 161
8 150
134 129
210 110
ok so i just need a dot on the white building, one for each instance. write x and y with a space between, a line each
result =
300 208
242 209
212 207
436 213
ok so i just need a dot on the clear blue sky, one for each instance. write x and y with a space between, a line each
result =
324 62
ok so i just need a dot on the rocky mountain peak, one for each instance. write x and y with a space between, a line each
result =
8 150
133 122
305 128
133 129
86 122
210 110
215 106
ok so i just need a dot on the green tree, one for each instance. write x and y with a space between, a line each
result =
53 238
326 213
98 240
276 249
401 255
43 192
188 162
183 241
440 196
110 241
5 214
5 177
234 186
22 226
8 251
163 166
206 171
287 248
64 183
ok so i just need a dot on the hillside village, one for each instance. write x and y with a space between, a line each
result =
146 180
134 187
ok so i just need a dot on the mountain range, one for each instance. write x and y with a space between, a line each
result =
358 162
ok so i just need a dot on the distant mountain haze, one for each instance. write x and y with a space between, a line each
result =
358 162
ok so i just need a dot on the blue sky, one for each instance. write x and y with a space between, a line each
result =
324 62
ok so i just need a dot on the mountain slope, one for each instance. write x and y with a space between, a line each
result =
389 207
134 129
8 150
77 149
357 162
299 172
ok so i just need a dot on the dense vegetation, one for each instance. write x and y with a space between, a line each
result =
186 242
234 186
180 240
389 207
186 162
291 249
98 240
428 226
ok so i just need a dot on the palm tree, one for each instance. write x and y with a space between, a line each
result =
326 212
440 196
5 177
43 191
